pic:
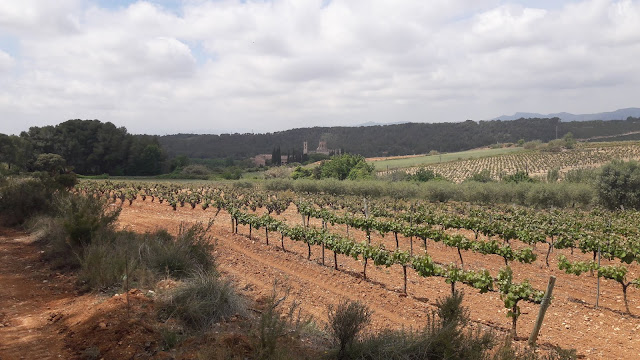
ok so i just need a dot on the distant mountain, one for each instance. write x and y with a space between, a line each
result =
620 114
371 123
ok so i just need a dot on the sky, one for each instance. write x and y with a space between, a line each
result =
226 66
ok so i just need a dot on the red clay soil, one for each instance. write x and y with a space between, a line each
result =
43 317
28 293
572 322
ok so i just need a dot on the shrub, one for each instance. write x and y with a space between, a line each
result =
507 351
108 259
346 321
280 172
21 199
274 323
278 184
202 301
423 175
442 191
83 216
196 170
547 195
394 176
583 176
619 185
553 175
53 236
301 173
554 145
483 176
190 250
244 184
518 177
532 145
483 193
444 336
232 174
345 166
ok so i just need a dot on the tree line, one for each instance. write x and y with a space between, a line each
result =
89 147
390 140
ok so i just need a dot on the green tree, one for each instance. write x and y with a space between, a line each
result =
179 162
619 185
423 175
54 164
341 167
518 177
151 160
569 141
301 173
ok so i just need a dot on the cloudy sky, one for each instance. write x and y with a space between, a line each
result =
169 66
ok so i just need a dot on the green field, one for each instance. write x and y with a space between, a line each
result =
434 159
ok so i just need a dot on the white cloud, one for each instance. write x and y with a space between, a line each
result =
6 62
279 64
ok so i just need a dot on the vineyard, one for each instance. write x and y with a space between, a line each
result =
536 163
411 251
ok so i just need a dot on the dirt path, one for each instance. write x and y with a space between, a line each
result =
572 322
28 292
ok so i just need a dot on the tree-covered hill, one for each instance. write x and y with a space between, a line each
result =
92 147
388 140
89 147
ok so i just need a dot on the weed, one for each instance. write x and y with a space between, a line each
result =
346 321
202 301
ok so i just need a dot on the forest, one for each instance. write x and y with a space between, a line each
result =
390 140
92 147
89 147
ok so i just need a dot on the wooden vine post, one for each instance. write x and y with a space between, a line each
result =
544 305
366 216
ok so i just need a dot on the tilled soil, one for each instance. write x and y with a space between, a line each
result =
571 322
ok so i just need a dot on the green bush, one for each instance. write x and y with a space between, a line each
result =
83 216
21 199
203 300
301 173
54 238
553 175
346 166
546 195
278 184
483 193
518 177
618 185
581 176
190 250
532 145
244 184
232 174
483 176
423 175
196 170
442 191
